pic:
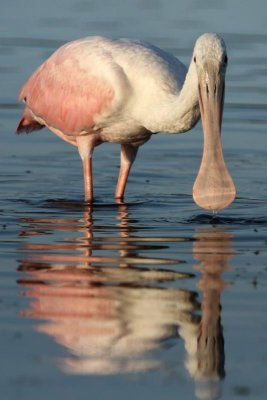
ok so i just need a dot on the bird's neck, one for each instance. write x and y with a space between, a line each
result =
181 112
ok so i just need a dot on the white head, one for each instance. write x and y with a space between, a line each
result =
210 46
213 188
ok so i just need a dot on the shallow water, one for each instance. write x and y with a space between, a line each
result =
151 298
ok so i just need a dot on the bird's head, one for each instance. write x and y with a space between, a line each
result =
213 188
210 48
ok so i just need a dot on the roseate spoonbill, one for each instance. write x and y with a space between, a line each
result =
96 90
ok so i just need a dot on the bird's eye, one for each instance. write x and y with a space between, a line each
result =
225 60
195 59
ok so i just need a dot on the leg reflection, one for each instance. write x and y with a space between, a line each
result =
109 307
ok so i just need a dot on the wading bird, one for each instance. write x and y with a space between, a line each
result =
97 90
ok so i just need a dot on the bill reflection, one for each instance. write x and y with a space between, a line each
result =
205 359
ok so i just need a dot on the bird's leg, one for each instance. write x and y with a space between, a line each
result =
128 154
86 146
88 179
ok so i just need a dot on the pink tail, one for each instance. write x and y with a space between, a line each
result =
27 123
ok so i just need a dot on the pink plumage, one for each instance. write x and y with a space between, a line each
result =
64 95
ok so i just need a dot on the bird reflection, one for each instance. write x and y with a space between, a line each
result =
115 310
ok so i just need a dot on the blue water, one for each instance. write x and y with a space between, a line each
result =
154 297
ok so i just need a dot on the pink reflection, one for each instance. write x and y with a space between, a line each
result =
113 316
106 311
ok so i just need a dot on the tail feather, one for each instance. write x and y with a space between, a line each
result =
27 123
28 126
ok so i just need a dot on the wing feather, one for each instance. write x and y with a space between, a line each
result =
72 89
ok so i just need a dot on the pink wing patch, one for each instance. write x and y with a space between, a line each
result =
65 96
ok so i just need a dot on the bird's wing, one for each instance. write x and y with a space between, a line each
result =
73 90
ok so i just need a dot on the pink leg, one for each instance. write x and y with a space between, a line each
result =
88 179
128 154
86 146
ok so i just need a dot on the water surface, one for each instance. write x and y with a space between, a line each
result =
151 298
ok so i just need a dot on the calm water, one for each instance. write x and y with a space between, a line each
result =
153 298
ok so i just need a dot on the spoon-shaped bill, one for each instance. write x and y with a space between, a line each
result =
213 188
